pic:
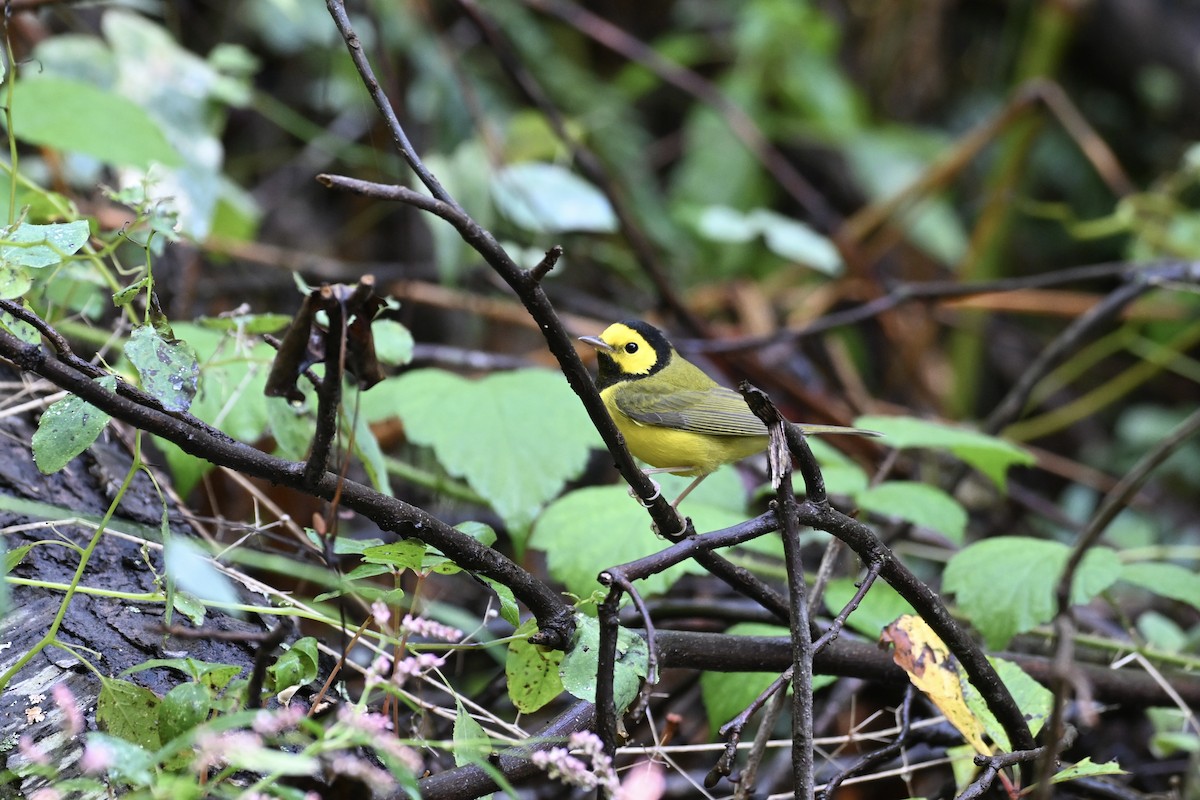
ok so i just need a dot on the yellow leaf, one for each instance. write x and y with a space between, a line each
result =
934 671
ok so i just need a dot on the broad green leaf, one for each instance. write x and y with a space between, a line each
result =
578 669
989 455
404 554
1006 585
532 671
727 694
230 396
67 428
14 281
791 239
919 503
183 708
39 246
471 744
548 198
516 437
47 111
785 237
168 367
1034 700
129 711
842 476
590 529
193 571
1161 632
130 762
296 667
879 607
1165 580
393 342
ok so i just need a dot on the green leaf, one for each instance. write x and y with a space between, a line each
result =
1034 700
247 324
578 670
793 240
168 367
989 455
1006 585
879 607
192 571
130 762
531 671
1165 580
39 246
517 437
213 674
393 342
509 611
547 198
471 744
182 708
67 428
727 694
47 111
590 529
295 667
129 711
14 281
404 554
14 557
919 503
1087 769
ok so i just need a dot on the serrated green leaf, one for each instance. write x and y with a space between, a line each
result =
516 437
471 744
1006 585
600 526
1087 769
919 503
168 367
578 669
128 711
47 111
548 198
532 671
879 607
67 428
989 455
39 246
1165 580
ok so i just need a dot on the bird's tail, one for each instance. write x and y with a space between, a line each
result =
821 430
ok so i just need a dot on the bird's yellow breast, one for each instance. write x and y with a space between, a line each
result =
693 453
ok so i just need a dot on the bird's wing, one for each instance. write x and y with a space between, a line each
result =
717 411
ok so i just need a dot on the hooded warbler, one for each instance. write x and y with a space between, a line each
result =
672 415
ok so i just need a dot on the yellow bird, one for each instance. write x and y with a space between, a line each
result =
672 415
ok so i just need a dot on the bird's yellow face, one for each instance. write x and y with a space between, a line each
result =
629 350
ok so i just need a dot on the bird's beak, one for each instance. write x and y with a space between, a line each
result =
598 343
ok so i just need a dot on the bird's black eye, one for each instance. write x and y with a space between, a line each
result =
631 348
